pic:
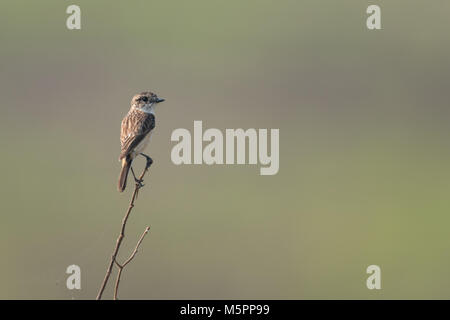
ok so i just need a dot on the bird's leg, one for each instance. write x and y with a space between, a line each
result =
138 181
149 161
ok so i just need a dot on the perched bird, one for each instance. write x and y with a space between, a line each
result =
135 133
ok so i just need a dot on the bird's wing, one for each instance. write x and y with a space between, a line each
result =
135 126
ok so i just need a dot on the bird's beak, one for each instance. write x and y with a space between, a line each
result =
160 100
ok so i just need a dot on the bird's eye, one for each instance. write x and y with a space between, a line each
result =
145 99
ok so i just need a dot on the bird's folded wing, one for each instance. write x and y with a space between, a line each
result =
135 126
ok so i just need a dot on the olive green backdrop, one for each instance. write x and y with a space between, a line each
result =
364 148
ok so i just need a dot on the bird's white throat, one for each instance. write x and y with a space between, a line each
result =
147 108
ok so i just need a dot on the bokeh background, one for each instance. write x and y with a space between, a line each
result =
364 148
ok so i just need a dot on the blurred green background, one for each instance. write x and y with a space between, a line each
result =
364 148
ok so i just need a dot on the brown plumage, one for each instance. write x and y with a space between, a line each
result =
135 131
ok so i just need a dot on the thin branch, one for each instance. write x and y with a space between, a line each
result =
122 232
133 254
137 247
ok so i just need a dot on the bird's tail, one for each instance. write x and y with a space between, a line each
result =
126 164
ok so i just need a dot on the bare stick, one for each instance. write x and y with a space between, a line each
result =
122 232
121 266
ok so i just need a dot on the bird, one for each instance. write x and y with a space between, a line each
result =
135 132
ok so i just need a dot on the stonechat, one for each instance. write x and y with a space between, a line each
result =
135 133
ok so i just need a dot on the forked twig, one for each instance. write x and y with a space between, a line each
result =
121 266
121 236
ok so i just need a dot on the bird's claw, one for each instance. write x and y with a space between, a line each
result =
139 183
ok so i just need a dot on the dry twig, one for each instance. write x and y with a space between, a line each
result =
113 261
121 266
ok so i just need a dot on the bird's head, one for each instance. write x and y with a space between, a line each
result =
145 101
